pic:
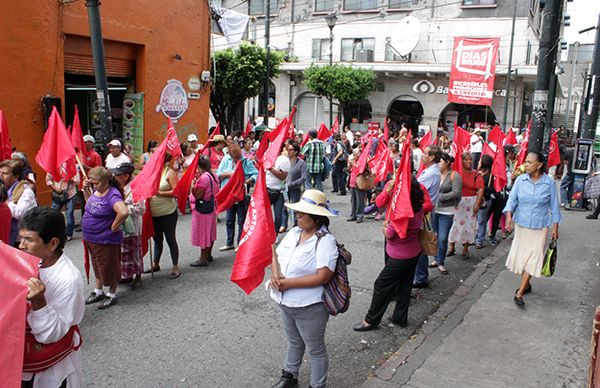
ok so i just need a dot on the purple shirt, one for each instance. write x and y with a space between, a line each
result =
409 247
98 218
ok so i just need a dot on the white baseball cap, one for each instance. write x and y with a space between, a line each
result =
115 142
89 138
192 137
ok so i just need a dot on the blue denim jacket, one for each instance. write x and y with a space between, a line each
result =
534 205
227 165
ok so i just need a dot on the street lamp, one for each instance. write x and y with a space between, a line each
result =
331 19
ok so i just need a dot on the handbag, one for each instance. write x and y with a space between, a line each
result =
337 291
365 181
550 259
208 206
428 239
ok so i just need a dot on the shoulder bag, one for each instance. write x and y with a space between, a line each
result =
428 239
337 291
206 207
365 181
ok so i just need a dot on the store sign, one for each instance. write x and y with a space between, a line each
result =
425 86
473 70
173 100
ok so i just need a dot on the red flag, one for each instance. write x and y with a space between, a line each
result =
77 133
458 152
386 130
523 146
323 133
381 165
248 129
487 150
56 148
305 140
255 248
553 151
147 229
499 169
274 149
496 136
511 138
234 190
217 131
426 141
17 268
364 156
462 137
5 146
145 184
401 210
335 128
182 190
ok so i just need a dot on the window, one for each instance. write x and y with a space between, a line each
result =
351 45
357 5
320 49
478 2
257 7
401 4
323 5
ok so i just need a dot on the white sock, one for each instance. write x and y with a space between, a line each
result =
98 291
106 289
111 295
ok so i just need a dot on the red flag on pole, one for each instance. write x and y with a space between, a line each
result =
323 133
553 151
462 137
255 248
5 146
386 130
499 169
335 128
56 148
426 140
17 268
147 229
217 131
487 150
305 140
274 149
77 133
364 156
523 146
496 136
401 210
234 190
145 184
182 190
510 138
248 129
381 165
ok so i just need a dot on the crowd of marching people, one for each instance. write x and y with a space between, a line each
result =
462 191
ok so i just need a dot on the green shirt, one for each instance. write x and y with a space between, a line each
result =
313 152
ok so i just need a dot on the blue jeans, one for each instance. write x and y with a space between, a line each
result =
70 210
276 200
305 328
566 187
313 181
482 219
239 210
442 224
422 270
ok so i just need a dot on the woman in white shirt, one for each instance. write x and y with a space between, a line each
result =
305 261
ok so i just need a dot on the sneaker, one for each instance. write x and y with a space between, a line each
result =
591 217
106 303
226 248
493 242
93 298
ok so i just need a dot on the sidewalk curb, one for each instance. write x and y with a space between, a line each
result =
411 355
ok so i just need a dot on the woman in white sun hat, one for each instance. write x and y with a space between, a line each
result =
305 261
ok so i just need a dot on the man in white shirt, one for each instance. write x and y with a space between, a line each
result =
21 197
57 301
276 178
116 156
194 146
476 147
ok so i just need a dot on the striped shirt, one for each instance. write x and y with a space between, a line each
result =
313 152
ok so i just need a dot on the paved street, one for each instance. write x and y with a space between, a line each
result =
202 330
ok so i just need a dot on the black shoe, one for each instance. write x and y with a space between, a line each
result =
106 303
93 298
362 327
359 220
199 263
287 380
341 194
351 219
334 191
398 323
591 217
519 301
420 285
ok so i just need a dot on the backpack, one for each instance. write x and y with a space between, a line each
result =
337 291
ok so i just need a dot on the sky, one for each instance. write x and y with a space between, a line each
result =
584 14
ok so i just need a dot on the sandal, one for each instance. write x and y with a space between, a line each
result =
153 269
175 275
442 269
433 264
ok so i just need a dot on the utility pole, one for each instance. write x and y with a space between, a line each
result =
93 9
268 61
590 115
552 20
509 71
572 82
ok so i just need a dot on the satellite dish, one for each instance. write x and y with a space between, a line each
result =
407 36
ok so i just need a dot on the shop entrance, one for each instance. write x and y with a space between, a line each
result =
358 114
406 110
471 115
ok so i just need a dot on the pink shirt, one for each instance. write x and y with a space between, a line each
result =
409 247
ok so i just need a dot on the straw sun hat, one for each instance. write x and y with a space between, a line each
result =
313 202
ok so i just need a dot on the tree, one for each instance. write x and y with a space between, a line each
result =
238 74
339 82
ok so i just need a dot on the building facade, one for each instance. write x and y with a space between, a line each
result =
155 54
411 87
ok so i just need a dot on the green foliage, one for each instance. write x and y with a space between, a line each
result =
343 83
238 74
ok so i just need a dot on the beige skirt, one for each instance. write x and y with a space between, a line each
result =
527 251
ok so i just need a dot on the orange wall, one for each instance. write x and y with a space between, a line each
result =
31 60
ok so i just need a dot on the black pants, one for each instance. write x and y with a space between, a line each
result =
495 213
340 176
393 283
165 226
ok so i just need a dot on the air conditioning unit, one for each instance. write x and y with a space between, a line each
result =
364 55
